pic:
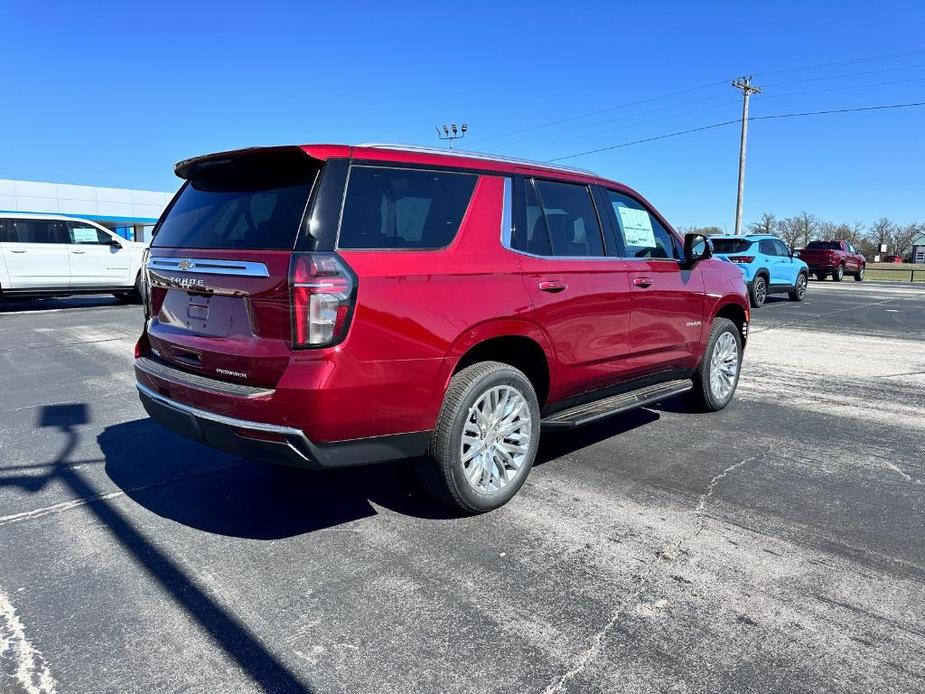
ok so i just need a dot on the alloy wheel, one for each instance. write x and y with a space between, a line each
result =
496 439
724 366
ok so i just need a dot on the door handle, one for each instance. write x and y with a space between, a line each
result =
19 251
78 252
552 286
642 282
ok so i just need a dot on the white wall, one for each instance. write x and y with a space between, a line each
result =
63 198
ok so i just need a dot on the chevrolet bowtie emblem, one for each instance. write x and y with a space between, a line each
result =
185 264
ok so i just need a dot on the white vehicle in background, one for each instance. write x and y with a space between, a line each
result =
51 255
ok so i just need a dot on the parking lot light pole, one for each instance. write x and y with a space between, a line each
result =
743 83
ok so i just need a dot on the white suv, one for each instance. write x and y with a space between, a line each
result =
50 255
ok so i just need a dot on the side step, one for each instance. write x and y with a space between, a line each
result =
598 409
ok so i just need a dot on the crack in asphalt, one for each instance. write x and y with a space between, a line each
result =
597 641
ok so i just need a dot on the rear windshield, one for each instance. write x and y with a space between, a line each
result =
246 203
730 245
828 245
403 208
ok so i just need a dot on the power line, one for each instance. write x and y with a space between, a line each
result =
853 74
598 112
565 136
852 61
738 120
818 66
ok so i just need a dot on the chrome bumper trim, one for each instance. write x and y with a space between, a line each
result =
222 419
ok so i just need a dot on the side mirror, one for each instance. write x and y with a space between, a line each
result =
113 243
697 247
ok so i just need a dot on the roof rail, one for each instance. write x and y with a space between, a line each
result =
477 155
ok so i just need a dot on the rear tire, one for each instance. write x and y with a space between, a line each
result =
131 297
717 376
758 292
859 275
839 273
485 441
798 293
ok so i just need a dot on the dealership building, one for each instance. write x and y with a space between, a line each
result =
130 213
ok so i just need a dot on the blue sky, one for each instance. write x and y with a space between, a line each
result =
115 94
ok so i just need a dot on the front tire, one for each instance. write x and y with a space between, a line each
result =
798 293
717 376
758 292
859 275
839 274
485 441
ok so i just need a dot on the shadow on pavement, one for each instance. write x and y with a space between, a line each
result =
202 488
227 632
59 303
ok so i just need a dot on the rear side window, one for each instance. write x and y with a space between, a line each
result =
36 231
767 247
388 208
560 220
239 204
643 235
725 246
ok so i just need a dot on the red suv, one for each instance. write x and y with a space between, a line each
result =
332 305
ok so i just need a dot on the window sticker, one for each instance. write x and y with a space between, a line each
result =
84 235
637 227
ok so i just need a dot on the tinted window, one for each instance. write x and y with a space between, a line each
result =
534 237
781 248
725 246
767 247
36 231
570 219
403 208
828 245
239 206
643 235
87 234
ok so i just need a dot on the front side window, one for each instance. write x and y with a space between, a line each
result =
36 231
388 208
643 235
782 249
87 234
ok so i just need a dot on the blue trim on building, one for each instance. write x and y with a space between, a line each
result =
91 217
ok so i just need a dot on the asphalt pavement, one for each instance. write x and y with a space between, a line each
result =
776 546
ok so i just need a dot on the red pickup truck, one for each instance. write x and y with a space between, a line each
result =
835 258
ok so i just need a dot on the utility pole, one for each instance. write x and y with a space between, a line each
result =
743 83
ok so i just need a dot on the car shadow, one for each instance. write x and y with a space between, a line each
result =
58 303
557 443
218 493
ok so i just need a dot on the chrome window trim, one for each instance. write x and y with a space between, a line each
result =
206 266
507 223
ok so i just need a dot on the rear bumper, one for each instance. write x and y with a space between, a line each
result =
275 443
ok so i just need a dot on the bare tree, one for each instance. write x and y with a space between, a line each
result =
766 225
902 237
881 232
798 231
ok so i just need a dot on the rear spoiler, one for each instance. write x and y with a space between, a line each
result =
193 166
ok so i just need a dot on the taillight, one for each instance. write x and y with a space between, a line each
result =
744 259
323 290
